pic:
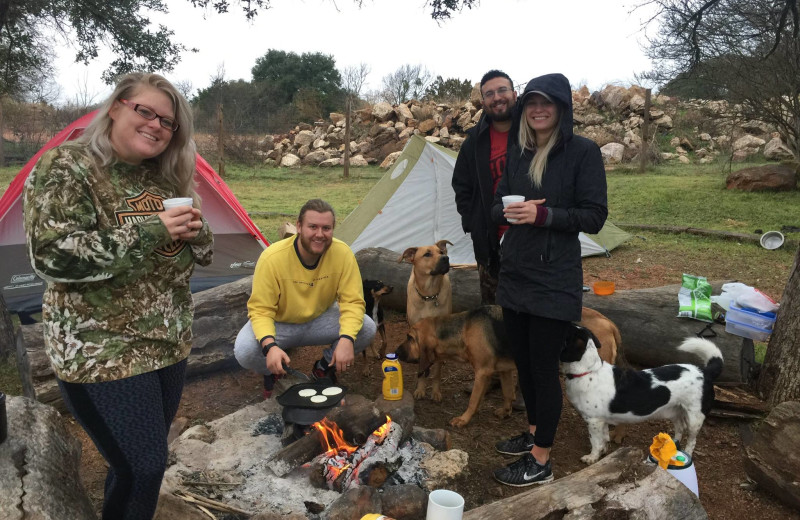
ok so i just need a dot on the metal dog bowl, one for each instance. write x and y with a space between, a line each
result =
772 240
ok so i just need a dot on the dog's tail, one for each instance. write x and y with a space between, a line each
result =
708 352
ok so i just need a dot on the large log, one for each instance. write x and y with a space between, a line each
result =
39 463
618 486
647 318
220 313
651 331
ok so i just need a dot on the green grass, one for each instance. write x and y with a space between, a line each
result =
281 192
7 174
695 195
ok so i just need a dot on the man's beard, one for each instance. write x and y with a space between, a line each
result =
306 243
502 116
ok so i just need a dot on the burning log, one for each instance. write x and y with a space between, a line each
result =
358 419
344 465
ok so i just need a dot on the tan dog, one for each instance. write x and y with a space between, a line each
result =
478 337
428 292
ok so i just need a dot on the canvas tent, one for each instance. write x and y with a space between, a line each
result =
413 204
237 240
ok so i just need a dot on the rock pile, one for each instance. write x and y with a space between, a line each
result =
612 117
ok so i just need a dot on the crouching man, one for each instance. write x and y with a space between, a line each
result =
307 290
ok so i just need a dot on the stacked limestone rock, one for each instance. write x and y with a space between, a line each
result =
612 117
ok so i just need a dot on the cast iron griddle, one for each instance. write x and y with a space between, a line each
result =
291 396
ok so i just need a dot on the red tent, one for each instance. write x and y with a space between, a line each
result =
237 240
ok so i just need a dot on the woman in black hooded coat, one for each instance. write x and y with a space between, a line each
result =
562 178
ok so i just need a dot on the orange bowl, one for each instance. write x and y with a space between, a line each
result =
603 288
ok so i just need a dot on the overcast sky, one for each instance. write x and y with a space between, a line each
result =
593 42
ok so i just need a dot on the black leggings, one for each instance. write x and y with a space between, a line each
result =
537 343
129 420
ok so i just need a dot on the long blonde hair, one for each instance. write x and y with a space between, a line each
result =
177 163
527 141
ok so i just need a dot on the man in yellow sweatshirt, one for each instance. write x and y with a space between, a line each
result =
307 290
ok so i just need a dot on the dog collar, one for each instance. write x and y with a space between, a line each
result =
573 376
434 298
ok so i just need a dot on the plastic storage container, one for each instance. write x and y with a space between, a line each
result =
747 331
750 317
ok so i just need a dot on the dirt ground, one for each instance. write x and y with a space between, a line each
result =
724 488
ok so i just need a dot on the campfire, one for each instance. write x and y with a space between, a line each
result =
343 465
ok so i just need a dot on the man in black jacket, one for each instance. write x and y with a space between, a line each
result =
478 169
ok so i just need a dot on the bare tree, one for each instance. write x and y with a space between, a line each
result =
407 82
185 88
353 79
747 52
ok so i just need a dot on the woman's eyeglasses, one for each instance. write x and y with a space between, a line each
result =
150 114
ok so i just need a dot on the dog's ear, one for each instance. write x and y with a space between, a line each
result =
408 255
442 244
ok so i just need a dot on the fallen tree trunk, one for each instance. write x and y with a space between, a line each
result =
651 331
39 463
618 486
647 318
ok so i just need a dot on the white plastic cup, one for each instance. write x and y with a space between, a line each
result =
177 202
509 199
444 504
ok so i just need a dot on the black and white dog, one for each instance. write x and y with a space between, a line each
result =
604 394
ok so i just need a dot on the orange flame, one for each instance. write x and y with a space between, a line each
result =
331 432
383 429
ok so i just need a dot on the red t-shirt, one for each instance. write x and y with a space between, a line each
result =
497 163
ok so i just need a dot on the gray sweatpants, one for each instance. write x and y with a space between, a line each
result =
322 330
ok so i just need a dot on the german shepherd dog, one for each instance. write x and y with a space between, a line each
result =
479 338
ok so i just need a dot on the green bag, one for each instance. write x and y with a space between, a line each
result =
694 298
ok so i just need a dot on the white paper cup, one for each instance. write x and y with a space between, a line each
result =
444 504
508 199
177 202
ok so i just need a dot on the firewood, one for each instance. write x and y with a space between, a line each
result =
296 454
357 419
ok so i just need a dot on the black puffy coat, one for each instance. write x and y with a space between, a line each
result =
540 267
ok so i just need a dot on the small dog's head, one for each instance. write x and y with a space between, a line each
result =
415 350
576 343
431 260
376 288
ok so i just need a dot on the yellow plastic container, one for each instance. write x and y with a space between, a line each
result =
376 517
392 378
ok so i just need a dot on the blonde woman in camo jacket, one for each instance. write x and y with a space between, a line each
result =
117 310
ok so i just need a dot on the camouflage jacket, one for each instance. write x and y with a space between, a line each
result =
117 301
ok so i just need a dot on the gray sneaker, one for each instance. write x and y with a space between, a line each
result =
524 472
519 445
